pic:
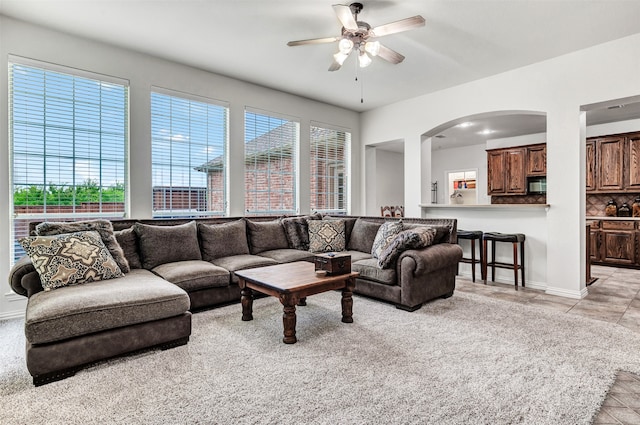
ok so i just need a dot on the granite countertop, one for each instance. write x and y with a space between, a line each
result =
612 218
486 206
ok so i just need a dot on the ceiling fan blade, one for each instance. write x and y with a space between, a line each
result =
390 55
335 66
398 26
313 41
345 16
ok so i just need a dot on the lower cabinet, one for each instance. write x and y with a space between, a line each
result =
615 243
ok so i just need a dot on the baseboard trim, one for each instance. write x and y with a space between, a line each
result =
568 293
18 313
530 284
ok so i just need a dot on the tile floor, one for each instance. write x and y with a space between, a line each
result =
614 297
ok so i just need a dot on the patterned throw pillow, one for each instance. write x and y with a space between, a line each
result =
386 233
326 235
70 259
103 227
415 238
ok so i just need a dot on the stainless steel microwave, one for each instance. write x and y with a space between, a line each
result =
537 185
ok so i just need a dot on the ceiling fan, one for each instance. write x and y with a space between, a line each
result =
358 35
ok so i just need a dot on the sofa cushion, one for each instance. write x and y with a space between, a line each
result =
369 269
167 244
442 232
357 255
386 233
326 235
297 230
288 255
349 222
223 240
266 235
193 275
137 297
103 227
241 262
415 238
70 259
128 241
362 235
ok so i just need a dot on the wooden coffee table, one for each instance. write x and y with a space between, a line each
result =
292 283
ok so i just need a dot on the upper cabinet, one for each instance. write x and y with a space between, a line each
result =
613 163
509 168
537 160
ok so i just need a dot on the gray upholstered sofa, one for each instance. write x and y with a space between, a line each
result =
177 266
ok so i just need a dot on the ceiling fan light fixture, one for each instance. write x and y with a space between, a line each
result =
340 57
372 47
364 60
345 45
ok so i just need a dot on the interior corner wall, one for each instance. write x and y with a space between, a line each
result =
144 71
558 87
389 179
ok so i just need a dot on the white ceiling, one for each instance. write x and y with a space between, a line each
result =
463 40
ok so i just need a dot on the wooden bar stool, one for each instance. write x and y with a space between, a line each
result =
515 239
473 236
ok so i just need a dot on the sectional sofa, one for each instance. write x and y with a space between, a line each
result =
171 268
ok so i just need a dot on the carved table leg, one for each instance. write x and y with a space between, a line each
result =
246 300
347 301
303 301
289 318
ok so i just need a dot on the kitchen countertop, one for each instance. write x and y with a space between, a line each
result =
613 218
486 206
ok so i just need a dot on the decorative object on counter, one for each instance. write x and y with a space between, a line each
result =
434 192
635 207
611 210
456 197
624 210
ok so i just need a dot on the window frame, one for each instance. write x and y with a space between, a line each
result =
80 76
225 161
338 170
294 158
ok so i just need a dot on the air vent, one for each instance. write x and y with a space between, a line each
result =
440 136
615 107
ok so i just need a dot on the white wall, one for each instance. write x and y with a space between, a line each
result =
558 88
460 158
508 142
627 126
389 179
142 72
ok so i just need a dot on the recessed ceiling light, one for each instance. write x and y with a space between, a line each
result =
485 131
465 124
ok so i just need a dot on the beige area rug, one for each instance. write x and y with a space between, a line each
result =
464 360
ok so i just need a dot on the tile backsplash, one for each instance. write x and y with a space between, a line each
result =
596 203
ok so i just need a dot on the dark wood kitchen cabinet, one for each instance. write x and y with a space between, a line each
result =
632 162
591 166
507 171
610 163
615 243
537 160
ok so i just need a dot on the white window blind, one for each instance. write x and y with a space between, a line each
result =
68 136
270 164
189 143
329 169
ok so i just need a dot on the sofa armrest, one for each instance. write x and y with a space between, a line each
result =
23 278
426 260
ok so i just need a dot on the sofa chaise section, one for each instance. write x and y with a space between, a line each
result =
71 327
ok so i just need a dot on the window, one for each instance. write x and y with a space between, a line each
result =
189 141
68 133
329 164
270 164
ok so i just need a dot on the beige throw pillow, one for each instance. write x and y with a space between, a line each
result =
70 259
